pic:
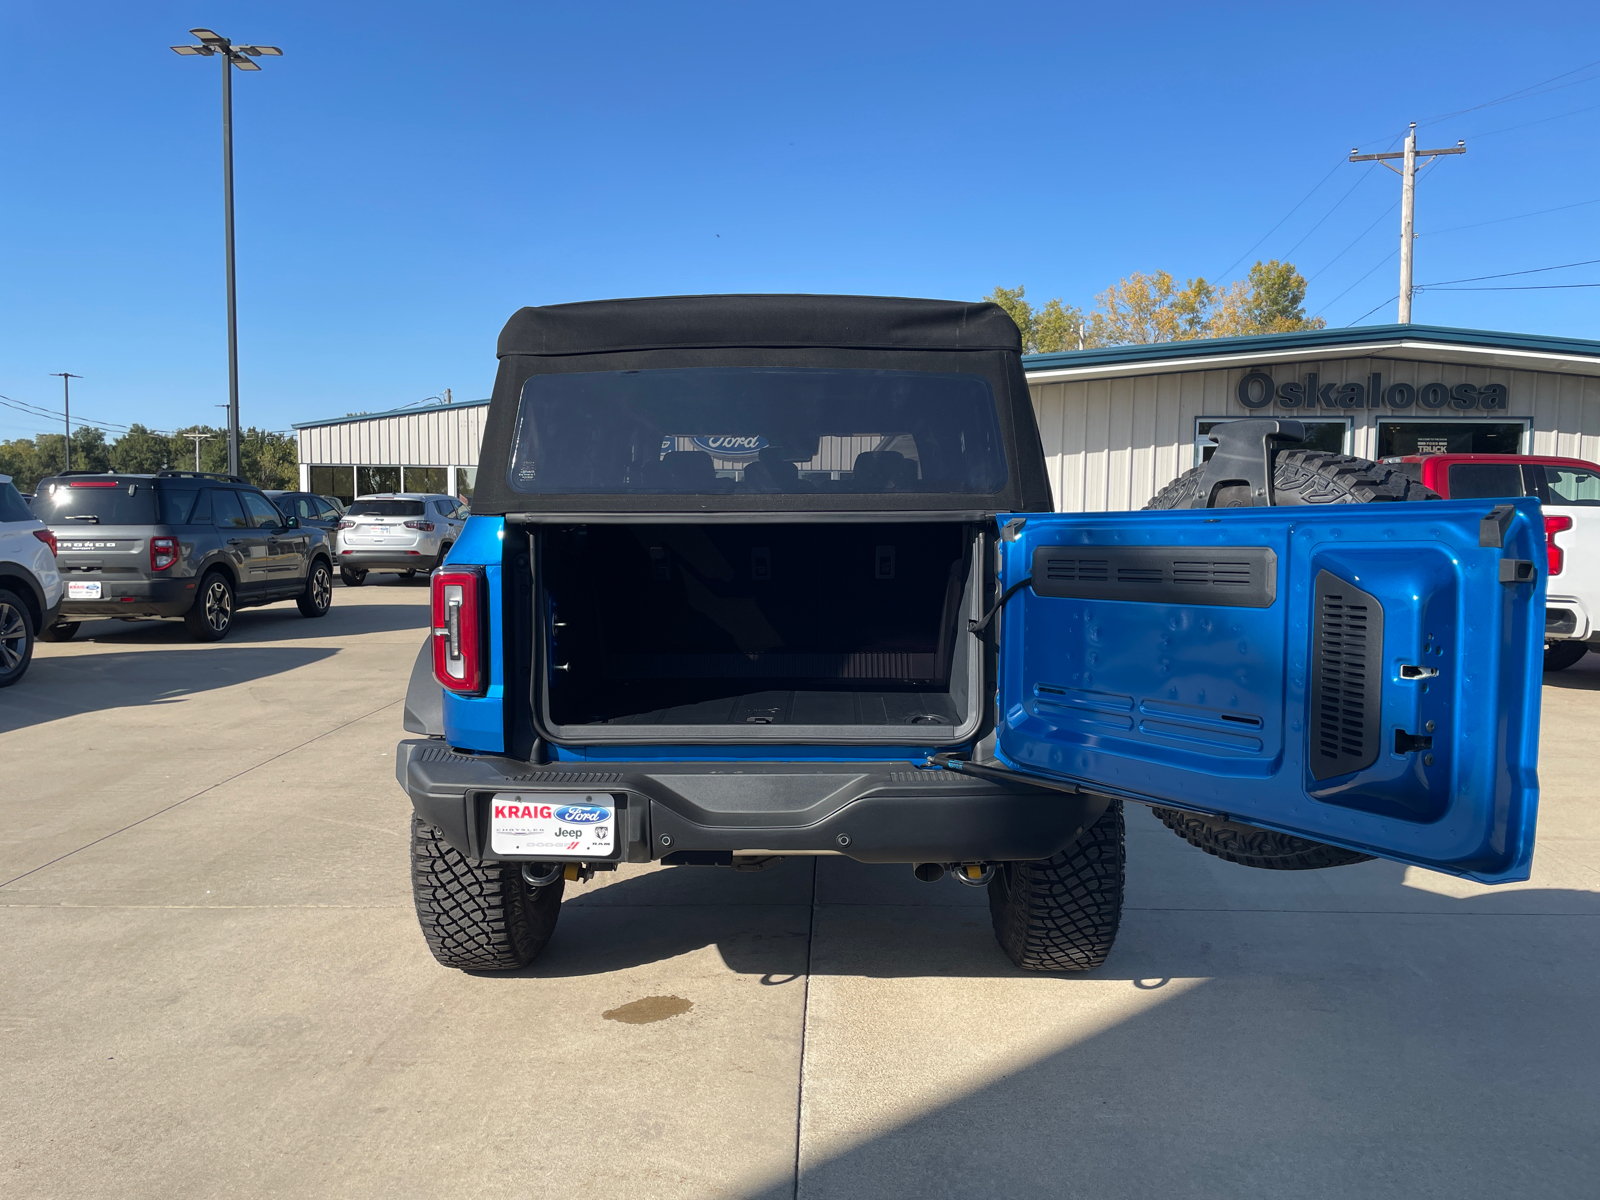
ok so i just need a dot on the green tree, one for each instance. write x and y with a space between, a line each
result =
140 452
1053 327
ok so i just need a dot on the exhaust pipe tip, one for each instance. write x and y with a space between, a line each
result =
929 872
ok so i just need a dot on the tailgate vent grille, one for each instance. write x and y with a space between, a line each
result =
1346 682
1232 576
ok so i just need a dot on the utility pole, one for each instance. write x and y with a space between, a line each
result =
66 410
232 55
1408 203
197 438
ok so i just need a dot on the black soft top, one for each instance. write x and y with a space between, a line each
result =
864 332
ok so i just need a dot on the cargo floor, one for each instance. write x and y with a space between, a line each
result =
806 708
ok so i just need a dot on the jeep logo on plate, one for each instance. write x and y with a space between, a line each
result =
581 814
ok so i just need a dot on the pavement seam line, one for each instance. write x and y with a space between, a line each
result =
805 1017
195 796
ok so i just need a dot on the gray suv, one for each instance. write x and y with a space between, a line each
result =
178 544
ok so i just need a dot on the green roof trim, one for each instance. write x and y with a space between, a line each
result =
393 412
1314 339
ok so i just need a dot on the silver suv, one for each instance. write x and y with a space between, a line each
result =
406 532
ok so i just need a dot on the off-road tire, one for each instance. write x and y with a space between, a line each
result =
1307 477
1061 913
61 631
351 578
16 638
1252 847
210 618
477 915
317 598
1567 652
1298 477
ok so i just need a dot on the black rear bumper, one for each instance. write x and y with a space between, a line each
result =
131 598
872 812
386 560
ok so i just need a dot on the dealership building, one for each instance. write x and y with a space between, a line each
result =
1121 422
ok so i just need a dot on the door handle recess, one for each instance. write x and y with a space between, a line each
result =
235 541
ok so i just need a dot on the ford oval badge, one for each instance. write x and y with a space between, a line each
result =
581 814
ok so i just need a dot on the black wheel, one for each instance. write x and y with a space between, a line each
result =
1298 477
1558 656
444 553
1252 847
352 577
1061 913
318 596
211 616
408 575
16 638
61 631
475 915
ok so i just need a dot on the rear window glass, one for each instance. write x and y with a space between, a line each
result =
385 508
1485 481
97 501
177 504
708 430
1571 485
12 506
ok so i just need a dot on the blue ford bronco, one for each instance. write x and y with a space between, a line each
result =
756 576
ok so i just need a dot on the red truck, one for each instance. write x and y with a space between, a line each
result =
1568 489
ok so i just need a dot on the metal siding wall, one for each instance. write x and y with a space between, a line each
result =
1113 443
437 438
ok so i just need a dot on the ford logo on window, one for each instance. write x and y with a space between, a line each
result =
723 445
581 814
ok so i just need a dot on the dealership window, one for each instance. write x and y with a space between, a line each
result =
466 481
372 480
1398 439
426 479
338 482
1333 436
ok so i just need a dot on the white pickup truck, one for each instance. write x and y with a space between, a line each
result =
1568 490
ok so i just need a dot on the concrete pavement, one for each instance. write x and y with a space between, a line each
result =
212 984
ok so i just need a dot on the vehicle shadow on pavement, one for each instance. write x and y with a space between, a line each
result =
275 623
67 685
1582 676
1435 1045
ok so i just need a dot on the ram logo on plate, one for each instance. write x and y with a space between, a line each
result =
580 815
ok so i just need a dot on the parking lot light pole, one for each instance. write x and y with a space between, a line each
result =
214 44
66 410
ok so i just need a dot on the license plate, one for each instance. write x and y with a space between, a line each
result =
553 827
83 591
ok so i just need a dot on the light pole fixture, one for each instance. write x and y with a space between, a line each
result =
214 44
66 410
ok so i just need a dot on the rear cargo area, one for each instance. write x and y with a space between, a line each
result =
848 630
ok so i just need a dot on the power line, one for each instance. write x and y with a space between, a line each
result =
1374 309
1522 93
1353 286
1328 214
1527 287
1356 239
1517 217
1508 274
1509 128
1285 217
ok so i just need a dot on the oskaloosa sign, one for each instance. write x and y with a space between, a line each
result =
1258 389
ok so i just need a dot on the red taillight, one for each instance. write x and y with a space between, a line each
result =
48 538
163 552
347 524
458 629
93 483
1553 526
425 526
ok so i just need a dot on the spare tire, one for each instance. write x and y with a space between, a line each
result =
1298 477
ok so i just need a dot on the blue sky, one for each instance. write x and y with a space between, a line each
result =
410 174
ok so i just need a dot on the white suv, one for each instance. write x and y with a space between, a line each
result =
406 532
30 585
